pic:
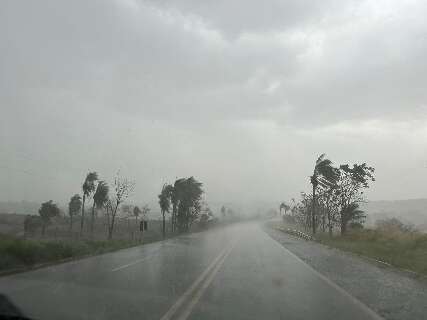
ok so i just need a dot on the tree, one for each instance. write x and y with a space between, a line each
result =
122 190
352 214
190 192
165 202
47 211
74 207
283 206
100 198
175 198
88 188
324 175
185 197
349 191
330 205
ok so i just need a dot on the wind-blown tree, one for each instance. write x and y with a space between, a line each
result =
324 175
330 206
165 202
175 199
74 207
122 190
352 181
88 188
100 198
47 211
189 195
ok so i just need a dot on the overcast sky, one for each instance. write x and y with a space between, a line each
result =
244 95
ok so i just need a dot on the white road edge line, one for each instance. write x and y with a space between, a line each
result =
175 307
332 284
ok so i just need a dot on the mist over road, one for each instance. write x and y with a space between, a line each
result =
236 272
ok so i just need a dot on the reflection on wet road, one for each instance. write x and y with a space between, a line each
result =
237 272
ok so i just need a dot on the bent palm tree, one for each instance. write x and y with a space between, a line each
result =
164 202
88 188
100 197
74 207
324 174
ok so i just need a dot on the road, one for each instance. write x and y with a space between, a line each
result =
236 272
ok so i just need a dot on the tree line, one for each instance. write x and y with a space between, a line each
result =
335 197
182 199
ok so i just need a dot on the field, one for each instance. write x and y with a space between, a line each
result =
19 249
18 253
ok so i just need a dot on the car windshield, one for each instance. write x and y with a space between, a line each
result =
191 159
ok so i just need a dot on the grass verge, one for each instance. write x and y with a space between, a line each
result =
20 253
403 250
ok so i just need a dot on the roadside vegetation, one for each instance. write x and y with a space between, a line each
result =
407 250
101 219
331 213
17 253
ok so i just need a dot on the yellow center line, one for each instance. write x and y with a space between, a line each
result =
191 291
135 262
193 302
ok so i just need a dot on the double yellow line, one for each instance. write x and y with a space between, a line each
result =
189 299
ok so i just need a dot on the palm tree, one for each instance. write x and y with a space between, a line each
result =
74 206
100 197
165 202
325 175
88 188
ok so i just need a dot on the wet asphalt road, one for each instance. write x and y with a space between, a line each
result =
237 272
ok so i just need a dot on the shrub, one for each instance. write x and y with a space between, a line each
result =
393 225
19 252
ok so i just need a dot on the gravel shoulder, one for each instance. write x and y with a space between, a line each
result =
391 293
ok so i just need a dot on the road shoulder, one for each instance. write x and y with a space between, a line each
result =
392 294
